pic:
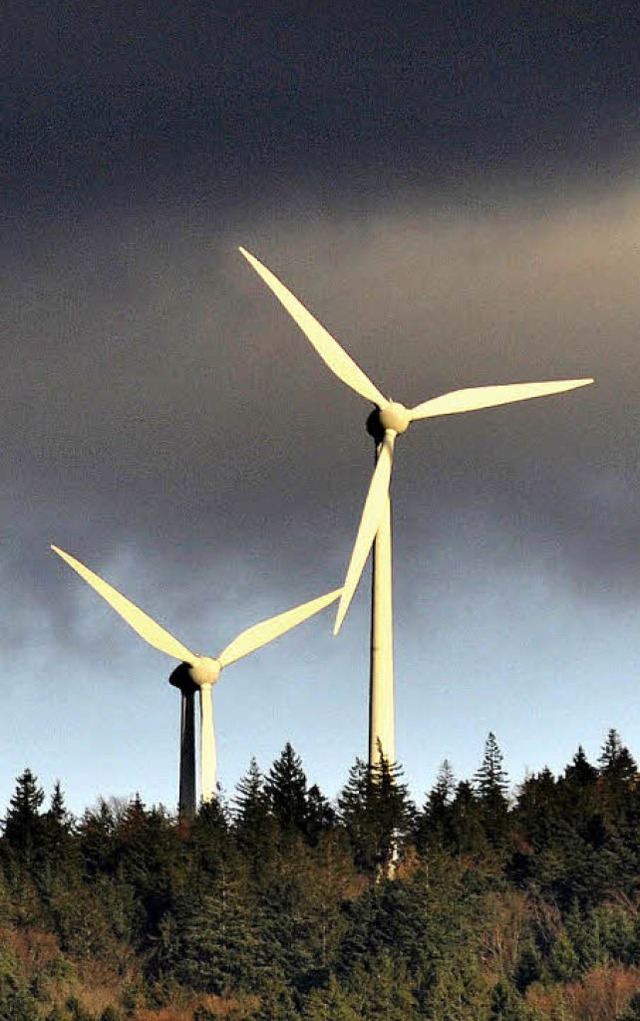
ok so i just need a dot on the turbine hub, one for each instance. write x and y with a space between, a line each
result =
205 670
395 416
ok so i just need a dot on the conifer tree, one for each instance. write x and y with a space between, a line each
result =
23 825
616 761
468 832
332 1002
445 783
506 1005
354 803
580 773
320 815
58 809
253 824
286 787
97 838
210 834
250 793
528 967
434 822
491 786
537 810
375 809
618 774
393 808
133 817
579 803
219 941
491 779
57 825
564 963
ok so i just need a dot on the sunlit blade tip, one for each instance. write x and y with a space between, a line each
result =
268 630
332 354
340 615
136 618
478 397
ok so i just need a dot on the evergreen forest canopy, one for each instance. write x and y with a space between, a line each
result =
278 906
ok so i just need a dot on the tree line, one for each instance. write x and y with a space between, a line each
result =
279 904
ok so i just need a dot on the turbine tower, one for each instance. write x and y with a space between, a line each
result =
197 673
388 420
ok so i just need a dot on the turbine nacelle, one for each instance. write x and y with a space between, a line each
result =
181 678
192 676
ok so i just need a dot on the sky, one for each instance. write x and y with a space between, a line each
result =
454 193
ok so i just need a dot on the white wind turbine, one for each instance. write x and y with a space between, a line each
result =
197 673
387 421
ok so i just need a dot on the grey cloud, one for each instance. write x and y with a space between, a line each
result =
156 395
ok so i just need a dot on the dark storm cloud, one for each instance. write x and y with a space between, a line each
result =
410 177
150 98
159 405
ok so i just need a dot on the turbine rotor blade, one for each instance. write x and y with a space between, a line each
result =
477 397
374 508
340 363
254 637
136 618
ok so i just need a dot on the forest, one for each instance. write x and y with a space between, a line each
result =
485 903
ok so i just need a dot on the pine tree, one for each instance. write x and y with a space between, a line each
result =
492 785
445 783
580 773
466 821
434 822
320 815
133 818
23 824
375 809
57 826
97 839
618 776
537 810
564 963
250 794
616 762
330 1004
354 807
58 809
579 805
383 989
506 1005
253 825
210 837
220 940
528 967
286 787
491 779
393 809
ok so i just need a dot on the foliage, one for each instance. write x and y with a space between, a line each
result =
376 813
482 906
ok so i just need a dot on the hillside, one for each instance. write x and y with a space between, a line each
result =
479 905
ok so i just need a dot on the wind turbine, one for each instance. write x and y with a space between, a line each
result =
388 420
197 673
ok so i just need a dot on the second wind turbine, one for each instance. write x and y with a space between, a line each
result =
388 420
196 673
